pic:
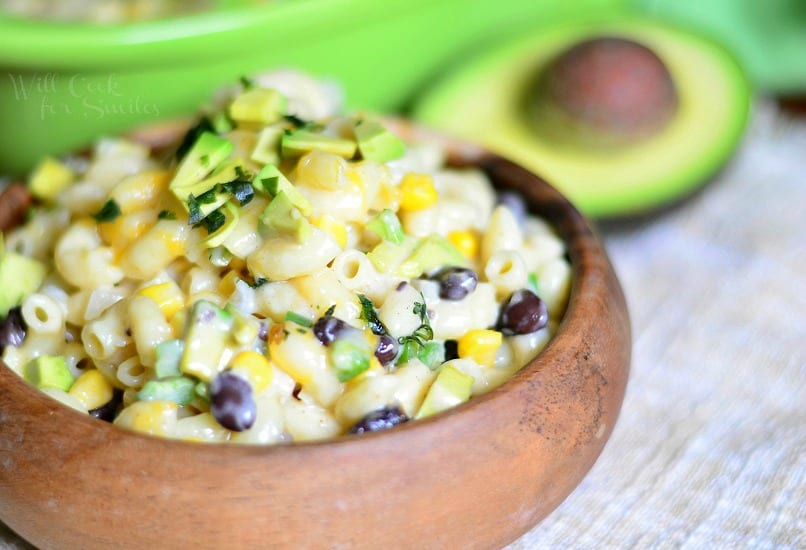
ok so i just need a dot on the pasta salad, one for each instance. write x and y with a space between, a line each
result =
288 274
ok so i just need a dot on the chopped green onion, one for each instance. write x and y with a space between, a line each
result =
299 319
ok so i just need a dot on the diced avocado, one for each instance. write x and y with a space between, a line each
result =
245 328
258 106
299 142
206 337
218 237
48 371
204 157
267 148
387 226
349 357
435 251
179 389
225 172
169 354
377 143
388 256
49 178
221 122
19 277
450 388
282 218
271 180
432 354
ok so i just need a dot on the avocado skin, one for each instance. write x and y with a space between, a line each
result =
483 102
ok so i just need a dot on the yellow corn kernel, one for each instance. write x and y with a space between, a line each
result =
167 295
255 368
332 227
480 345
417 192
92 389
140 191
173 245
151 417
466 242
226 286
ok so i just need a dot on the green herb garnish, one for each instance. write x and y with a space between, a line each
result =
369 315
299 319
166 215
330 311
213 221
241 189
196 214
108 212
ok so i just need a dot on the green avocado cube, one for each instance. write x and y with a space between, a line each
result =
450 388
206 335
272 181
349 358
180 390
258 106
169 354
299 142
377 143
48 371
282 218
20 276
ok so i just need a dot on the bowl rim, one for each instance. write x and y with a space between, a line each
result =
40 44
565 219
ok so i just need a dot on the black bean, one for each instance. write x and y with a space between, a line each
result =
231 402
451 350
382 419
12 329
386 350
523 313
514 201
327 328
109 411
456 282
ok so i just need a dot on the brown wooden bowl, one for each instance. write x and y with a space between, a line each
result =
476 476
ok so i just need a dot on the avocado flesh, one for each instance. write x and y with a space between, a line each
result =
483 102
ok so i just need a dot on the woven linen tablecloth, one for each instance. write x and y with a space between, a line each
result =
710 447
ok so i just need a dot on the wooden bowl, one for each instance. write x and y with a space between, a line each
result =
477 476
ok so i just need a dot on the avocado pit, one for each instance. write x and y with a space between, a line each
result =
604 91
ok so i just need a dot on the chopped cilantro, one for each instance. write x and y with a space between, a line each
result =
295 120
166 215
213 221
299 319
369 315
240 189
194 210
108 212
208 197
422 334
330 311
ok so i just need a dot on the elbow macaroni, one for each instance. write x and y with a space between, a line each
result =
121 293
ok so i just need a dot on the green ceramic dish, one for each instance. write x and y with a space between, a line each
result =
64 84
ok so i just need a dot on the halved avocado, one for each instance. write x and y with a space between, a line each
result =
486 101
